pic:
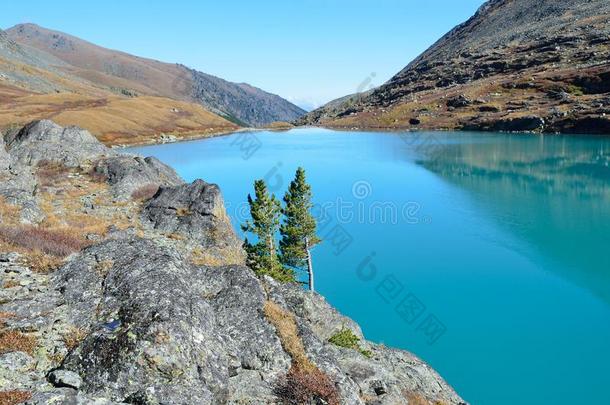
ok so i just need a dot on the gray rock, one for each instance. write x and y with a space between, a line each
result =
386 376
195 211
45 140
128 174
182 328
4 157
460 101
63 378
15 362
184 334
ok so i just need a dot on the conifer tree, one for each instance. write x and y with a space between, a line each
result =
299 228
265 211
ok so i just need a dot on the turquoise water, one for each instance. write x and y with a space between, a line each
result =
488 255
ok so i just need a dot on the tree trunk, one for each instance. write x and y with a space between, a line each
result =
309 266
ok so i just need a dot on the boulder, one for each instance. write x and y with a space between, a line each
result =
127 174
195 211
63 378
45 140
489 108
460 101
180 334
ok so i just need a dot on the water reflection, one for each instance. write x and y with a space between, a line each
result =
551 191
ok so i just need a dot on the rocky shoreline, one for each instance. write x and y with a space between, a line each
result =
123 284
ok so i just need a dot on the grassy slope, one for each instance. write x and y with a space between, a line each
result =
113 119
30 92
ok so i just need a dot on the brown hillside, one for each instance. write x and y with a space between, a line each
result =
112 119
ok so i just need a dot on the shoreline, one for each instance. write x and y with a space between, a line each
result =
196 137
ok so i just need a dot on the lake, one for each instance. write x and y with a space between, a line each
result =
487 255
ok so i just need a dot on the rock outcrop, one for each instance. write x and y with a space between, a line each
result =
137 316
195 211
127 174
46 141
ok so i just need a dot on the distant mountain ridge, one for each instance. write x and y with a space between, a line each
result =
523 65
35 85
127 74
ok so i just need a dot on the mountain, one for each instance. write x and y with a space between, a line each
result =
35 84
516 65
125 74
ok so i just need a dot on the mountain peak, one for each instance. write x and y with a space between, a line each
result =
516 65
121 72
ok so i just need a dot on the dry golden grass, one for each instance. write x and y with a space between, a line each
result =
304 383
9 214
279 126
15 341
114 119
103 267
10 284
183 212
286 327
14 397
73 337
42 263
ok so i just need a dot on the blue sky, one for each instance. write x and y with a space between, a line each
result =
308 51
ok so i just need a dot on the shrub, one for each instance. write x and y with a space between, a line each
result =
97 177
347 339
49 172
14 397
304 382
306 386
56 243
145 192
15 341
42 263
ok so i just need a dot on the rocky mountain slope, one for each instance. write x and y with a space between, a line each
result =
516 65
124 73
35 84
123 284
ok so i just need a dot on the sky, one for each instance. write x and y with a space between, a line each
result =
307 51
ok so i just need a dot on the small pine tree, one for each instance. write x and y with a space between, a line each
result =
265 211
299 228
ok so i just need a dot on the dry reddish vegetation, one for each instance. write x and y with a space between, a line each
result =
55 243
50 173
418 399
304 386
304 383
15 341
14 397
